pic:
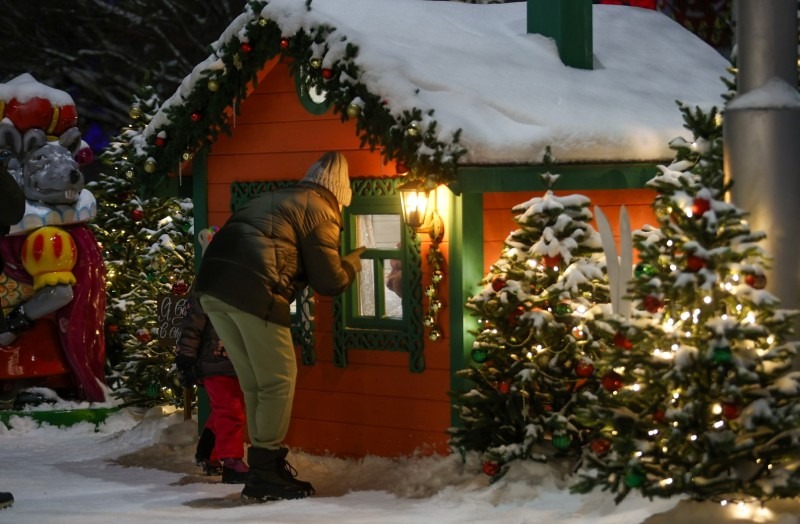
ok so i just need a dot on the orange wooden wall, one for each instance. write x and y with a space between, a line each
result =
375 405
498 220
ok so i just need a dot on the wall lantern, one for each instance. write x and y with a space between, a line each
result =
418 209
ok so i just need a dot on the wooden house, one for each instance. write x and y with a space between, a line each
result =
463 98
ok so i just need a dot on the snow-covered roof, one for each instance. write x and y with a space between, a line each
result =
474 68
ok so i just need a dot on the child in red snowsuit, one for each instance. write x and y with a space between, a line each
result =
201 358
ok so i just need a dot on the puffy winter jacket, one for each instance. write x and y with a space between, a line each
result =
199 346
277 244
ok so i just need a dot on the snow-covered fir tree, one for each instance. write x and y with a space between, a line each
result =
533 349
705 402
148 251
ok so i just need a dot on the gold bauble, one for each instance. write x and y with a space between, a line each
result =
186 155
262 21
436 305
412 129
437 276
428 321
435 334
430 290
150 165
135 112
213 85
316 63
353 110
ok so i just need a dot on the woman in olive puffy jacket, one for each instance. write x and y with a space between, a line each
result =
277 244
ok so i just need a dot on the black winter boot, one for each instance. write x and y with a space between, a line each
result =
271 477
202 455
6 499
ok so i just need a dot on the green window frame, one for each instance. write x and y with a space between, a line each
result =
374 330
302 324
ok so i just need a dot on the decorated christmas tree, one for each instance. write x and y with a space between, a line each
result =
533 350
706 403
148 251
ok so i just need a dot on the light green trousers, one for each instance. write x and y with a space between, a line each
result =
263 356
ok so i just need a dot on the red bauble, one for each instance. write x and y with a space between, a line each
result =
756 281
498 283
246 47
400 167
503 387
730 410
612 381
112 328
160 141
600 446
197 116
327 74
137 215
621 341
144 335
513 317
659 415
652 304
700 206
584 368
551 262
284 43
695 263
180 287
491 468
84 156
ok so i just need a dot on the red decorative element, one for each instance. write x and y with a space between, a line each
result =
137 215
284 43
40 113
695 263
612 381
246 47
584 369
700 206
84 156
491 468
112 328
498 283
503 387
180 287
143 335
621 341
551 262
513 317
160 141
197 116
659 415
400 167
327 74
600 446
38 248
652 304
756 281
730 410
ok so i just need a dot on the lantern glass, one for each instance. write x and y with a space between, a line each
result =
414 199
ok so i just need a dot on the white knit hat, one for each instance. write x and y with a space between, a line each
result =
330 172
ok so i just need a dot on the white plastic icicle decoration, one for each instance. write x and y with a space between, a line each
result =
620 267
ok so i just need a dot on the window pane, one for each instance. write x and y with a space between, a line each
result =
366 289
378 231
393 295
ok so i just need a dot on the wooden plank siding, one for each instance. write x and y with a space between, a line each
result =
498 220
375 405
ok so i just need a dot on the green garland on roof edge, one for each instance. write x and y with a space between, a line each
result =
201 117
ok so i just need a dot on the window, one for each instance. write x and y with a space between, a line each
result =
382 310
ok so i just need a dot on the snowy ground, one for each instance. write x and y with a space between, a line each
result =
137 467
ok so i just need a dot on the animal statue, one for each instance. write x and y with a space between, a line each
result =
52 287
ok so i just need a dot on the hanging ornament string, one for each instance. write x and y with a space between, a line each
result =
436 261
